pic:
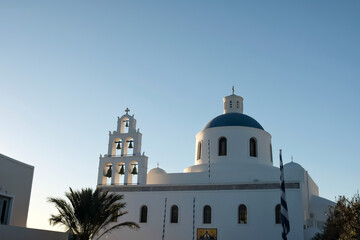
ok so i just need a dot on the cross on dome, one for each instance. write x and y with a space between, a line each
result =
127 110
233 90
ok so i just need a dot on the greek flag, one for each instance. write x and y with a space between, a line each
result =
284 210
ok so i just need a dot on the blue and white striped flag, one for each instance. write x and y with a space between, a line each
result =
284 210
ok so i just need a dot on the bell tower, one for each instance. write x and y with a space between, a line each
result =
123 164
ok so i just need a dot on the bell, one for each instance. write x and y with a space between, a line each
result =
126 123
130 145
122 170
109 172
118 145
134 171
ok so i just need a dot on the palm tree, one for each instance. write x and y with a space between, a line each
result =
89 213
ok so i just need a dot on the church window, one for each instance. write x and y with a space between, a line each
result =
237 104
207 214
253 147
222 146
230 104
174 214
277 214
198 151
143 214
242 218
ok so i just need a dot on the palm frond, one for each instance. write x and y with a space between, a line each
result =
86 213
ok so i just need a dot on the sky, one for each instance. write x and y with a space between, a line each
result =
68 69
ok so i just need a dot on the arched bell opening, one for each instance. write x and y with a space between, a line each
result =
107 174
133 171
128 147
120 173
117 147
125 124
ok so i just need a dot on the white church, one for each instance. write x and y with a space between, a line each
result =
231 192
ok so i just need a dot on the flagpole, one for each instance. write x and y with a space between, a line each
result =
284 210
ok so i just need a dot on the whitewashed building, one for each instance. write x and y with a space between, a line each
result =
15 189
231 191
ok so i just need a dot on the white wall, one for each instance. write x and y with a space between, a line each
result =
260 205
15 181
238 148
19 233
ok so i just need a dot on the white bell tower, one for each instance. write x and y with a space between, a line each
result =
123 164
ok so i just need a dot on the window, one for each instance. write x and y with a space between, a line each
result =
143 214
271 153
222 146
198 151
237 104
230 104
242 218
252 147
207 214
174 214
4 209
277 214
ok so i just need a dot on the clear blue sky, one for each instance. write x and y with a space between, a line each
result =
69 68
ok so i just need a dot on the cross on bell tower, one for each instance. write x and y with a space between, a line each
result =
127 110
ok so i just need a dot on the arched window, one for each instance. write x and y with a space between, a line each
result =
174 214
242 218
207 214
222 146
143 214
253 147
278 214
198 151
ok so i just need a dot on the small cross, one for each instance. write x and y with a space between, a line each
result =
233 89
157 164
127 110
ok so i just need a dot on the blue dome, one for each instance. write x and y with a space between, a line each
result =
233 119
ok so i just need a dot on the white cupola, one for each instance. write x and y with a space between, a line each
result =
233 103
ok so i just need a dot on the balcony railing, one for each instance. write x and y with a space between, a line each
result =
120 184
123 155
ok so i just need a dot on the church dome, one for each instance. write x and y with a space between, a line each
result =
233 119
293 165
157 171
